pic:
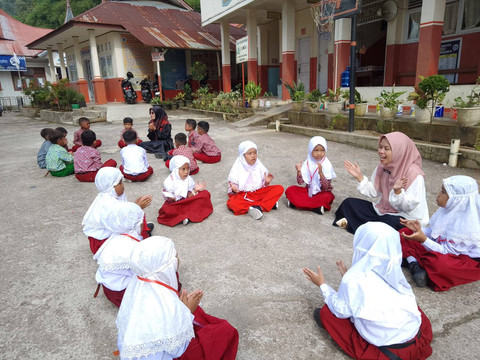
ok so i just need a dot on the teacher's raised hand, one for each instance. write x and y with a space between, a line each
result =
353 169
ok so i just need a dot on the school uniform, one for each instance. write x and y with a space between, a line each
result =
388 207
153 323
374 312
77 140
122 143
205 150
187 152
58 161
192 138
178 206
451 253
135 163
42 154
318 191
250 181
87 162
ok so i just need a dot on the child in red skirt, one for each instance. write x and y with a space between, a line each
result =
447 252
185 200
158 321
374 314
249 188
317 173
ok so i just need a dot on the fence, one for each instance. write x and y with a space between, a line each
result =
14 103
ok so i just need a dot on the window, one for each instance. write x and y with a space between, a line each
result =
106 68
72 72
471 14
450 19
413 25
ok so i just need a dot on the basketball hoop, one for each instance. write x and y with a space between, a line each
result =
323 13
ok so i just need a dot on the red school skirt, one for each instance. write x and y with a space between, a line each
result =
195 208
265 197
298 196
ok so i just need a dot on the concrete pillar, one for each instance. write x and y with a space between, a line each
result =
53 73
226 69
252 45
341 48
395 36
430 37
288 45
82 84
61 57
98 82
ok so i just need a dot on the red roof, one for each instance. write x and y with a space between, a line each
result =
14 35
169 28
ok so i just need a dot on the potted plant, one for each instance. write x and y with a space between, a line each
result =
199 71
360 104
252 92
422 115
180 99
297 94
315 98
334 102
468 109
430 92
188 93
223 98
235 97
389 101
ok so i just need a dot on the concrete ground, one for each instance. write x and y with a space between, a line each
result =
249 270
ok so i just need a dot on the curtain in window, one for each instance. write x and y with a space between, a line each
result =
471 14
450 20
414 25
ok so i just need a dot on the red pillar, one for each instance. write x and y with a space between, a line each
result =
330 71
428 49
263 77
252 66
288 71
226 78
390 65
83 88
313 73
342 55
99 89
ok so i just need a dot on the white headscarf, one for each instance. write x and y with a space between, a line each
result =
459 220
174 186
113 257
98 216
375 290
152 319
310 168
247 177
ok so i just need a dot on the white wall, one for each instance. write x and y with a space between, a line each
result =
213 10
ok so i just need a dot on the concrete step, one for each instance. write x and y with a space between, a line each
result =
277 123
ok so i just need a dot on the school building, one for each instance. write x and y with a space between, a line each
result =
144 37
398 42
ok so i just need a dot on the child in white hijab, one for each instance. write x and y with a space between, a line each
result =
374 313
249 188
317 173
155 321
185 200
447 251
97 220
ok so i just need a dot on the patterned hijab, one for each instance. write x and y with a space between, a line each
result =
161 117
406 162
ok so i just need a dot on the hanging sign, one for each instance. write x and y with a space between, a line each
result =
242 50
158 56
12 63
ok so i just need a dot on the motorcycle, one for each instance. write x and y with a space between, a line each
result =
146 91
129 93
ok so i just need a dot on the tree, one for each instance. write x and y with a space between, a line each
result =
195 4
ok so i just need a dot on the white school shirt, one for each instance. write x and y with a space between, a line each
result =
448 247
134 159
411 204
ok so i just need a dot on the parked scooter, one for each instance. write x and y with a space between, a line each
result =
156 87
146 90
129 94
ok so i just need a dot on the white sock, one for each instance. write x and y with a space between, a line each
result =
411 259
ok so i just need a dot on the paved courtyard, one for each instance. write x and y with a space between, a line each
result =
249 270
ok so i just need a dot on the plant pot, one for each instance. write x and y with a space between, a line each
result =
181 103
334 107
468 116
254 103
422 115
361 109
75 106
387 113
224 102
312 107
297 106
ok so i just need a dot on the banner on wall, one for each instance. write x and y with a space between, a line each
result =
450 58
12 63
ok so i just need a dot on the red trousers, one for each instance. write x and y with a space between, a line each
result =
444 270
96 244
193 172
298 196
90 176
215 339
344 333
265 197
122 143
140 177
75 147
207 159
195 208
115 297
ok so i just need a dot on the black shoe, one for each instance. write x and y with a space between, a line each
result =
320 210
167 157
419 275
150 227
316 316
275 207
159 155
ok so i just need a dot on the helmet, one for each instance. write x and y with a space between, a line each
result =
129 75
